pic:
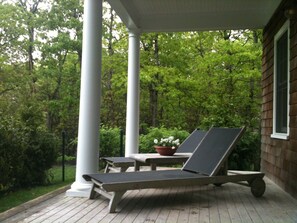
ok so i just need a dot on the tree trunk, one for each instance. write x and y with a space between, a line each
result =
109 97
154 94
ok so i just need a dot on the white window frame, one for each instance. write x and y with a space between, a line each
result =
275 134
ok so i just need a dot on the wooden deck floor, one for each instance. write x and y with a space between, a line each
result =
228 203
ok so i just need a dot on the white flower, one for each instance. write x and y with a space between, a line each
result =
170 141
176 142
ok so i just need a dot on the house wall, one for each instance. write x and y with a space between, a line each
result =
279 157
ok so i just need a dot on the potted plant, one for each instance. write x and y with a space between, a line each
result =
166 146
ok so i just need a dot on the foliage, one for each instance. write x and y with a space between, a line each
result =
246 156
109 141
11 33
38 157
26 151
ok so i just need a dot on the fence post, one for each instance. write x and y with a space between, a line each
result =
63 155
121 142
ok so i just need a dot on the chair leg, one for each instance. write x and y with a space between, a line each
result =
123 169
115 199
107 168
153 166
93 192
136 166
222 172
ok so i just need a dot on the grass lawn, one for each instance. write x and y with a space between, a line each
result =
15 198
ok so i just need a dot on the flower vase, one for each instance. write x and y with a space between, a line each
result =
165 150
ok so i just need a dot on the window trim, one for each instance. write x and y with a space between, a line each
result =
278 135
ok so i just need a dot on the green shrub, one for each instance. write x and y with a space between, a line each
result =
11 154
26 151
109 141
146 142
246 155
39 156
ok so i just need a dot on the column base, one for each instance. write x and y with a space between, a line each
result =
79 190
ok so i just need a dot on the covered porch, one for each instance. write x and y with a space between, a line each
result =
142 16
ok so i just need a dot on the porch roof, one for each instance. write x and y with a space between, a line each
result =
193 15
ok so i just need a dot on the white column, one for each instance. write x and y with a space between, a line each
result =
132 116
89 117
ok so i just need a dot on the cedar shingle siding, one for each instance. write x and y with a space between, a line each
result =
279 157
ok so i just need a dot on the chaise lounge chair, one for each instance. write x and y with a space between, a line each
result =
201 168
184 151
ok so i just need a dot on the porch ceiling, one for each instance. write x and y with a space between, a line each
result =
194 15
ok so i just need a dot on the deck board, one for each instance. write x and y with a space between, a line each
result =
250 214
157 205
228 203
214 206
141 209
232 206
89 212
184 209
172 211
203 200
222 201
52 210
163 214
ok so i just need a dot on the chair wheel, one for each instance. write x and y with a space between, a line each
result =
258 187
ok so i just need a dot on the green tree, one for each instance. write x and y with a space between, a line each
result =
114 70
